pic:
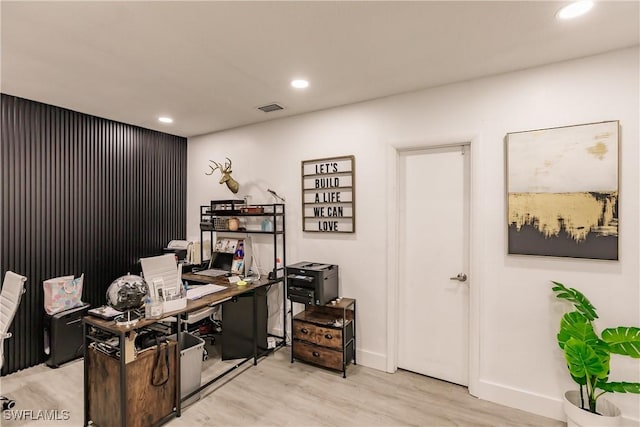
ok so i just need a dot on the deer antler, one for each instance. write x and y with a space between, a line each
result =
218 166
227 166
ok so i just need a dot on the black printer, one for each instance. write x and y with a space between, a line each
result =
312 283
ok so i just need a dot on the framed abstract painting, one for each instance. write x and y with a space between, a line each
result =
562 191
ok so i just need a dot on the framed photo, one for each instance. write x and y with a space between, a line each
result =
562 191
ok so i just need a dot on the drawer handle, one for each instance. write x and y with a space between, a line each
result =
316 354
328 336
304 330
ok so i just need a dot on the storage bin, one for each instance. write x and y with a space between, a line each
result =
191 350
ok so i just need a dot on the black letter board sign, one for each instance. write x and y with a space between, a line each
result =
328 195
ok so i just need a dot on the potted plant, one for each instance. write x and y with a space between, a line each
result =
588 356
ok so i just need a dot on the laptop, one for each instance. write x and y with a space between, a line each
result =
220 265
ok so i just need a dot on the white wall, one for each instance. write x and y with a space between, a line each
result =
515 359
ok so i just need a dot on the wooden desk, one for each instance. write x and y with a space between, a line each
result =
98 390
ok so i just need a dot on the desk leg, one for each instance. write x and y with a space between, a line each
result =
354 333
255 328
86 374
123 380
178 363
283 285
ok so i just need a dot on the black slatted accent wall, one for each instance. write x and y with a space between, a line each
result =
80 194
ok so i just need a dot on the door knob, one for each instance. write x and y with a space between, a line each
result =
460 277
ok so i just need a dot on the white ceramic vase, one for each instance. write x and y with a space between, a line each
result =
578 417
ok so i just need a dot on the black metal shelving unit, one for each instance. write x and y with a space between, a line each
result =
215 217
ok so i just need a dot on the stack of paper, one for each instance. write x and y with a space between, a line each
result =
200 291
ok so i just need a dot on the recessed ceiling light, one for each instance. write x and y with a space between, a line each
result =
299 83
575 9
165 119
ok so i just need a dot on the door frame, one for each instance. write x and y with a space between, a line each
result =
393 218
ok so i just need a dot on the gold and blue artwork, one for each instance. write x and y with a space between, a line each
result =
562 191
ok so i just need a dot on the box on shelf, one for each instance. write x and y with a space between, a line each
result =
220 224
226 207
252 210
173 305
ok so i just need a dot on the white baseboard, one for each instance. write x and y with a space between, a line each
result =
371 360
535 403
520 399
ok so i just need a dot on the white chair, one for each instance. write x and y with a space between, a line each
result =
10 296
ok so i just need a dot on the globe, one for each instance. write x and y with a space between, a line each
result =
127 292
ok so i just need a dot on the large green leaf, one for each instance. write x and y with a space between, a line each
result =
623 340
576 325
620 387
579 301
585 360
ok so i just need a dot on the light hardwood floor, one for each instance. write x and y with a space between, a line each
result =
279 393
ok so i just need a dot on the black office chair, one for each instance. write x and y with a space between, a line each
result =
10 296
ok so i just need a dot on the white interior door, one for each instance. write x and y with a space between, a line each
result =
433 331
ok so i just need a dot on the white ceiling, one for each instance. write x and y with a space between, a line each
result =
210 64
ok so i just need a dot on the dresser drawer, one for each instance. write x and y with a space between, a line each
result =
319 355
329 337
304 331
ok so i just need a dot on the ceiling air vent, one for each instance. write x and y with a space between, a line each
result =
271 107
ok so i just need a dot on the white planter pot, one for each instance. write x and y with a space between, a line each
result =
578 417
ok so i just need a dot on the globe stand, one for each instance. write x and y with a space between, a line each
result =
126 294
130 318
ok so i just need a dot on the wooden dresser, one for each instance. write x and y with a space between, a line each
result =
326 335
